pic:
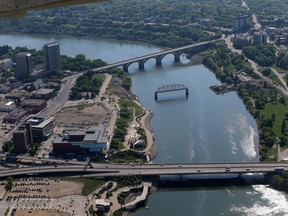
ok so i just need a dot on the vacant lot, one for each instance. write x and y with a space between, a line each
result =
50 188
84 114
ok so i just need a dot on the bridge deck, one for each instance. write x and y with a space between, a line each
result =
151 169
153 55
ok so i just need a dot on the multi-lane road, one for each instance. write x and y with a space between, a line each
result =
101 170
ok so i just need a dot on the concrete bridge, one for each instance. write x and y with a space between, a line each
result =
169 88
106 170
157 56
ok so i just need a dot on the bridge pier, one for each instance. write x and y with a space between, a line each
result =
125 67
187 92
155 96
141 65
177 56
158 61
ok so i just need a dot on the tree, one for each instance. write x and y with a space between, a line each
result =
8 146
266 72
9 184
283 126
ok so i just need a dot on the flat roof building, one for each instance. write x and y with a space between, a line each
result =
24 65
15 115
240 41
7 106
241 23
42 93
41 128
260 37
34 105
52 56
22 138
6 63
93 140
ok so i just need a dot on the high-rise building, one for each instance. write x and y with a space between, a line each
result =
24 65
52 56
260 37
241 23
22 138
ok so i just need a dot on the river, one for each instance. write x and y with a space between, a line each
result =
204 127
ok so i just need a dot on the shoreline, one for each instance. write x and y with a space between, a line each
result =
151 149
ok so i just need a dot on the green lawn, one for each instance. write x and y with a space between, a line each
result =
279 109
90 184
99 77
127 103
275 79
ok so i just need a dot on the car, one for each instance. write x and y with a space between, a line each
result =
55 166
180 165
247 169
198 170
227 169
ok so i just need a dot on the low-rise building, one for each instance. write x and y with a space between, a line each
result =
15 115
34 105
93 140
6 63
42 93
15 95
8 106
4 89
102 205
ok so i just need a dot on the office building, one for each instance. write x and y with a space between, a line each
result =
52 56
241 23
22 138
24 65
41 128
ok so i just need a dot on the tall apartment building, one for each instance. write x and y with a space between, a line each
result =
260 37
241 23
24 65
52 56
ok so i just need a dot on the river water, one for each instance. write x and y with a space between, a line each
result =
204 127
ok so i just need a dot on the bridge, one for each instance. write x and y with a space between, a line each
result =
106 170
158 56
169 88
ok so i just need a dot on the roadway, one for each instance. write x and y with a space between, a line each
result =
153 55
103 170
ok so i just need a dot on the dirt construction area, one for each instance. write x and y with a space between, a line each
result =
44 188
83 114
24 212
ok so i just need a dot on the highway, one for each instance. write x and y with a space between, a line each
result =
103 170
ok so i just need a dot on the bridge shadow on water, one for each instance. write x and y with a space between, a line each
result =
168 98
203 180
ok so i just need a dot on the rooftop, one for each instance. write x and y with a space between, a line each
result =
43 91
44 123
33 102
